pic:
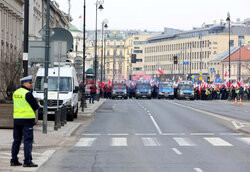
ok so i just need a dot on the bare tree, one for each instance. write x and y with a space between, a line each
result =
10 73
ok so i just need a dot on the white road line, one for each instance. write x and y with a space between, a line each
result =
147 141
85 142
173 134
177 151
237 124
216 141
145 134
156 125
198 170
245 140
183 141
91 134
118 134
201 134
119 141
231 134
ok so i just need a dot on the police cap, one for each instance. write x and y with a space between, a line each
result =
26 79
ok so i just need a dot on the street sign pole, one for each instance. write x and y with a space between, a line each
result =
46 69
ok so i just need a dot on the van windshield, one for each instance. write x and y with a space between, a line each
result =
143 86
166 86
65 84
187 87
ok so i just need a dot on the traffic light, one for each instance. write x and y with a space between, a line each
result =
175 60
208 79
133 58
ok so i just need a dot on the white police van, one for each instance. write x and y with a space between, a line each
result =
68 90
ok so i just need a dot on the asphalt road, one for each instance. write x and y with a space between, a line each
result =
156 136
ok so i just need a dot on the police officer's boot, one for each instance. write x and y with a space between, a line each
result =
31 164
15 163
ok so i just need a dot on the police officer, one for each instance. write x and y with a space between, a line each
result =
24 117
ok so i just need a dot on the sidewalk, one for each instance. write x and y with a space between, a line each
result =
52 138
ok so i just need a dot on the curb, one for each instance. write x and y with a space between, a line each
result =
67 133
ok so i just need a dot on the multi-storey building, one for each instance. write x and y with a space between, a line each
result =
239 65
193 49
11 22
37 17
119 47
139 42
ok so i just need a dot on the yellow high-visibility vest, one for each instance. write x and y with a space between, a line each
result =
22 109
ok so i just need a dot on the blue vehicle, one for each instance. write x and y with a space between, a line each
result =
119 90
185 90
143 90
166 90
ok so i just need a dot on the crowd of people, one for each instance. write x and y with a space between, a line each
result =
222 92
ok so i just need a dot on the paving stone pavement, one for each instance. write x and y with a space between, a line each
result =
44 144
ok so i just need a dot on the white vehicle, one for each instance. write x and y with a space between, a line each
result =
68 90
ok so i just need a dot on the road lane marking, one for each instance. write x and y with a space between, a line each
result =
213 114
198 170
173 134
237 124
145 134
147 141
176 151
184 141
118 134
201 134
245 140
119 141
91 134
156 125
231 134
216 141
85 142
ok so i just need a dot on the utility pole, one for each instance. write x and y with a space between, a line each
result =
239 63
190 59
45 107
69 14
84 105
26 38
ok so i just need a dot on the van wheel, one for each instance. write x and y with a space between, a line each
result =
75 114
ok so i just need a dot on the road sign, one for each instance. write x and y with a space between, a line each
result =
217 80
212 70
217 75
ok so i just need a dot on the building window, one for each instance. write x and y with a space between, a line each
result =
137 51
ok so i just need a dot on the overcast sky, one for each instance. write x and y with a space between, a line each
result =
154 15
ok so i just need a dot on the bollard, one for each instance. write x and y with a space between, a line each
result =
59 118
62 120
64 115
55 119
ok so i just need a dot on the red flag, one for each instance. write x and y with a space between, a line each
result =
160 71
226 73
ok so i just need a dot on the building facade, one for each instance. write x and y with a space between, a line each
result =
194 49
37 17
11 26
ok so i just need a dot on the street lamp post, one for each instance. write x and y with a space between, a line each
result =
104 25
84 105
229 71
100 7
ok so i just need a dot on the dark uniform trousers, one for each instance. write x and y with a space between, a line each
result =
26 131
